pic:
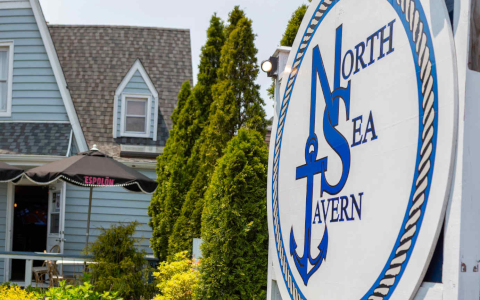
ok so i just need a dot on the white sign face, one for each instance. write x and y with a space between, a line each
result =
362 150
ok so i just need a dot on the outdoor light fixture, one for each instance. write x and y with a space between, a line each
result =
270 66
267 66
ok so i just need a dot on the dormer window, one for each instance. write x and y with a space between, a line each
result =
135 115
136 105
6 77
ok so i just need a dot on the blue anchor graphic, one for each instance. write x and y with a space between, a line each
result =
314 166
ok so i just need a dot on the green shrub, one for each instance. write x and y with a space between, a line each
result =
177 279
80 292
234 223
120 266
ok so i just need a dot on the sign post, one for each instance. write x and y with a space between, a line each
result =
363 150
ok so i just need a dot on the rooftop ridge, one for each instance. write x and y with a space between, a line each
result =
117 26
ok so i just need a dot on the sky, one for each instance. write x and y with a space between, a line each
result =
270 18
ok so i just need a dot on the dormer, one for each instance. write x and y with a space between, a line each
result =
136 105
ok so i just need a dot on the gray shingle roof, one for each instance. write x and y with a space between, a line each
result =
34 138
95 59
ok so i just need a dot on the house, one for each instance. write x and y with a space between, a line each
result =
64 88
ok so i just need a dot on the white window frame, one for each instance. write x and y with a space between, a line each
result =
123 120
51 211
9 45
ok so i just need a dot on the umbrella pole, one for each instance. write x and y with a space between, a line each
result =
89 211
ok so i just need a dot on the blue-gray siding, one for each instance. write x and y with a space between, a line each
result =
136 85
3 223
36 96
109 206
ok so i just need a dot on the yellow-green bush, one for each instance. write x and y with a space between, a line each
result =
177 279
63 292
14 292
85 291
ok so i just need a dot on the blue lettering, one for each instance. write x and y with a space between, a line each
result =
359 57
340 209
325 212
330 120
317 214
344 205
370 128
389 39
372 44
357 130
334 209
357 207
349 53
360 50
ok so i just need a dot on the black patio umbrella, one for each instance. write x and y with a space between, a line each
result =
92 169
9 173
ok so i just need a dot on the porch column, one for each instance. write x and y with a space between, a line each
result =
28 272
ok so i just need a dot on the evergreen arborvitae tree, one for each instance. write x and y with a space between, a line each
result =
236 104
289 36
160 209
293 25
234 223
189 119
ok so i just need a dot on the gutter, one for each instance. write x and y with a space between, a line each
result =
29 160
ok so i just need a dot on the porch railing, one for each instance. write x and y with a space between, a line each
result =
29 257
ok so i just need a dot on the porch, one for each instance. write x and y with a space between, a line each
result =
60 259
30 257
65 207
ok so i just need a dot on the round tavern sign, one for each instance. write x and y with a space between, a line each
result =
362 149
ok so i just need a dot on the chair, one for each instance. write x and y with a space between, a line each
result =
55 278
40 272
55 249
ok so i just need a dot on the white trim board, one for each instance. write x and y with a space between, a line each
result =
430 291
8 230
59 76
11 52
137 66
14 4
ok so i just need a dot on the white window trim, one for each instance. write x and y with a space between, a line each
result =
125 133
137 66
9 45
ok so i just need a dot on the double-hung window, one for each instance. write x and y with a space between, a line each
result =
6 70
136 111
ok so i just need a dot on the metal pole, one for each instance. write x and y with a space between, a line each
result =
89 211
